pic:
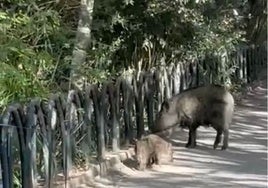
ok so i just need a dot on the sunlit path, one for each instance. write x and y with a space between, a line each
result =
243 165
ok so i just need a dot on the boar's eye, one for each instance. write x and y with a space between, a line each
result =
165 106
159 115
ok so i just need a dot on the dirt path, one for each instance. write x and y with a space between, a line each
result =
243 165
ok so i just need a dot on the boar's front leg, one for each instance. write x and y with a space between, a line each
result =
225 139
192 137
218 138
142 165
225 132
152 159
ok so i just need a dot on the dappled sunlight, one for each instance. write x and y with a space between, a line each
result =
258 113
243 164
256 183
196 161
241 176
255 148
180 170
242 179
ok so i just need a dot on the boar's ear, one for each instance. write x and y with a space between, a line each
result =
165 106
134 141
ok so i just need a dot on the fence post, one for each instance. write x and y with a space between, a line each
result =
31 123
165 82
139 101
116 127
264 54
129 104
214 68
176 80
104 102
257 60
198 77
170 79
182 79
202 69
19 121
99 123
125 92
251 64
6 133
193 74
115 124
70 117
245 63
249 75
188 78
89 110
239 63
43 121
158 88
149 98
52 122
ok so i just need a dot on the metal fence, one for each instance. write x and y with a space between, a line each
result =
43 138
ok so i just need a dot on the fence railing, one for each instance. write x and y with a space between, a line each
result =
44 138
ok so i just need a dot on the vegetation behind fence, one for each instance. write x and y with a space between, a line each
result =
44 138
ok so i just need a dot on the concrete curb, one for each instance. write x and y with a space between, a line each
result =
86 178
112 160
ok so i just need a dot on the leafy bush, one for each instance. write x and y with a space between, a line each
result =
32 46
132 33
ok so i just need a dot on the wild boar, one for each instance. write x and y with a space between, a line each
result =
210 105
153 149
145 154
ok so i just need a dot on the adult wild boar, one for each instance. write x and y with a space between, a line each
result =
153 149
210 105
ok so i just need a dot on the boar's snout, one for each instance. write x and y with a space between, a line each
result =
138 158
165 121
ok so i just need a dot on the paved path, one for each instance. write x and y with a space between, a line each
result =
243 165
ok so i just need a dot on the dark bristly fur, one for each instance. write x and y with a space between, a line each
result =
209 105
153 149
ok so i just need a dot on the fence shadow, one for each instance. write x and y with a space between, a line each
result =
243 164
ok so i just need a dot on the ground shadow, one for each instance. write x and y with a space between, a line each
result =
243 164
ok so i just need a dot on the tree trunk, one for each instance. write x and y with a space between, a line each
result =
257 24
83 37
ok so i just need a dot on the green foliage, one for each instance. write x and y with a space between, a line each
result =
18 85
37 38
31 44
153 32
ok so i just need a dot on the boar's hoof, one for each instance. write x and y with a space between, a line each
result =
190 145
141 168
223 147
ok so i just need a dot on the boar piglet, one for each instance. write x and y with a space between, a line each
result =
153 149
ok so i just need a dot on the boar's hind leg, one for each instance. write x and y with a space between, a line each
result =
225 139
218 138
192 137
